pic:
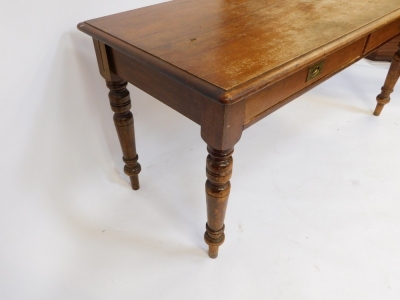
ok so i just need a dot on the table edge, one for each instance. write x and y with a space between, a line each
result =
250 87
189 80
244 89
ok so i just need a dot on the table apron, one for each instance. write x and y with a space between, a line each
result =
181 98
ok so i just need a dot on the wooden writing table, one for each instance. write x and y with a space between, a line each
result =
226 64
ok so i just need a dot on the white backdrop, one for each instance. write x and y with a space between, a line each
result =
314 211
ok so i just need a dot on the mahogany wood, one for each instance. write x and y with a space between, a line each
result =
382 35
252 36
391 80
172 93
219 171
184 33
385 52
225 64
120 102
275 93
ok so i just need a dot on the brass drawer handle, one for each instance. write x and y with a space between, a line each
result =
315 70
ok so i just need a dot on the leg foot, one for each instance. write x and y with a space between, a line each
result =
135 182
378 109
219 171
132 169
120 102
213 251
384 97
214 239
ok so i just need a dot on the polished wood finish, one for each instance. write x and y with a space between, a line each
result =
385 52
226 64
391 80
120 102
268 97
162 87
184 33
240 46
219 171
382 35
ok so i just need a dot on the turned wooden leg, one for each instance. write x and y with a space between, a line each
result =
123 119
391 80
219 171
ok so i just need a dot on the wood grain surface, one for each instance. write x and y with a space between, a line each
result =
227 64
268 97
393 76
227 43
386 52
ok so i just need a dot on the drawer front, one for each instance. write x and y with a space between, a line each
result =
279 91
382 35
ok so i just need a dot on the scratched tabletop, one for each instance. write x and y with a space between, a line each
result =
228 42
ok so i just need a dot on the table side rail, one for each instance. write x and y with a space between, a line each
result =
246 89
282 103
167 90
269 97
192 82
382 35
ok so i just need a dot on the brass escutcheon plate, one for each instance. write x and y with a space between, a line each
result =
315 70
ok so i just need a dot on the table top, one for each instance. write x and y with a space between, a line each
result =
229 43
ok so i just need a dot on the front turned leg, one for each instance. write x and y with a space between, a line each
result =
219 171
391 80
123 119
